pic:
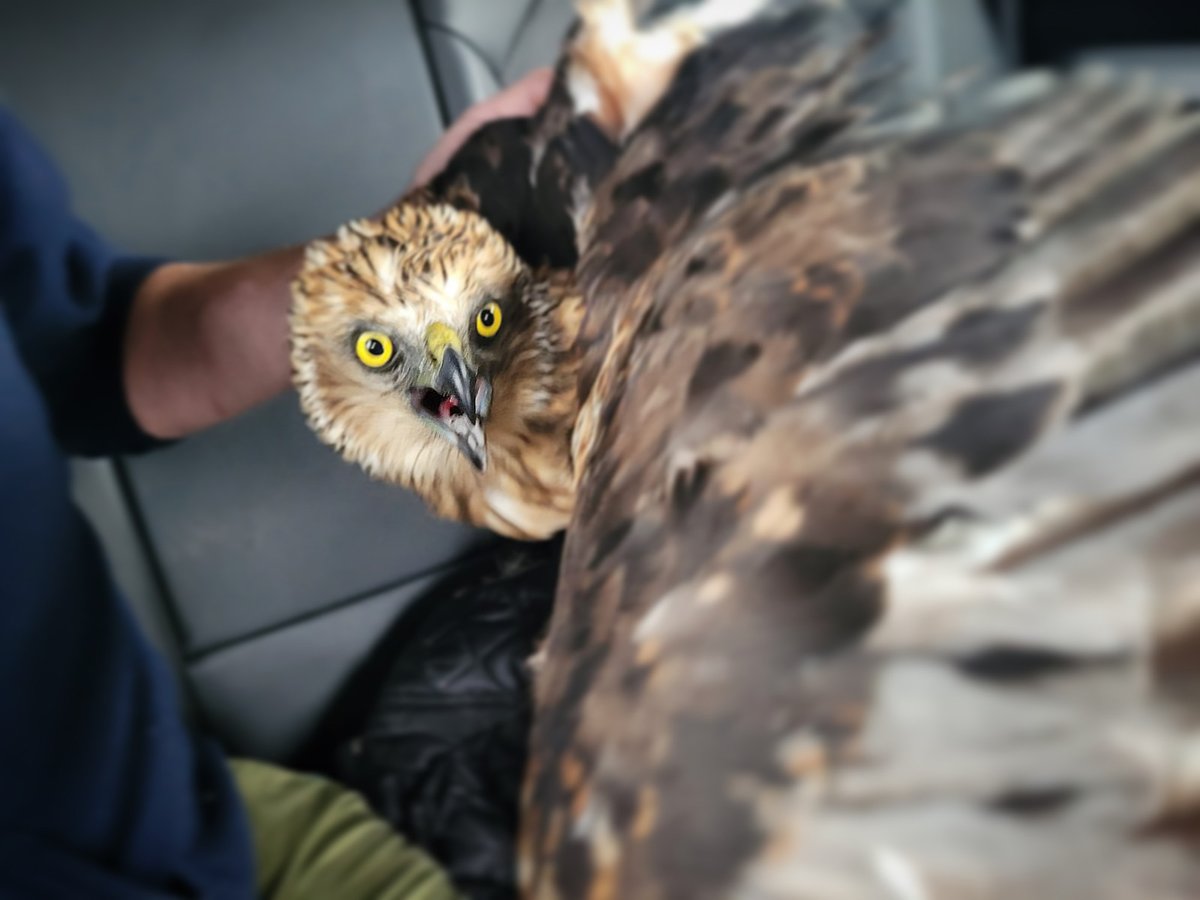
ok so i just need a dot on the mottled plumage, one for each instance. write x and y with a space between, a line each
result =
882 577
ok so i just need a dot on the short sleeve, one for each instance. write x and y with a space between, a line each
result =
67 295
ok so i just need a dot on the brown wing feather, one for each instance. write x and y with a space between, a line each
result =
533 179
882 575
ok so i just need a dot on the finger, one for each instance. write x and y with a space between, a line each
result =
521 98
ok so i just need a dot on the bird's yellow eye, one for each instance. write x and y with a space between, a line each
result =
487 323
374 349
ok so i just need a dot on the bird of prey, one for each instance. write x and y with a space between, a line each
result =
882 459
435 345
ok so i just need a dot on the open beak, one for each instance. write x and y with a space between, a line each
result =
455 379
458 400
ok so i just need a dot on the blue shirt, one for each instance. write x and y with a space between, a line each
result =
104 792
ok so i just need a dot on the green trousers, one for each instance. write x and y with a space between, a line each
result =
315 840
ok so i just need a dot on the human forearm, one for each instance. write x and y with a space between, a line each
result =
206 342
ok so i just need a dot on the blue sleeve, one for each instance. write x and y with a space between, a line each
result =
105 792
66 295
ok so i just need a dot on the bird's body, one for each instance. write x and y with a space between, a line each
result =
881 574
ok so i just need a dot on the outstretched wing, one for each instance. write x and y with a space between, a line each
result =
883 578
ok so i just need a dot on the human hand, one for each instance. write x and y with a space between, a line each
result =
522 98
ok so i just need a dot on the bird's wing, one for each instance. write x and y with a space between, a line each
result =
534 178
883 580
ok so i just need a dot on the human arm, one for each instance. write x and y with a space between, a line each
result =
206 342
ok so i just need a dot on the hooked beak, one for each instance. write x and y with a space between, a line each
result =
458 400
455 379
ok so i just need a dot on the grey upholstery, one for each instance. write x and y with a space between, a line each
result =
304 665
1177 67
943 40
477 47
256 525
264 565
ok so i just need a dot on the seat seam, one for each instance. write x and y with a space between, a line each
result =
470 45
531 10
198 656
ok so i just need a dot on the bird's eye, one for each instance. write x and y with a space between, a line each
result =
374 349
487 323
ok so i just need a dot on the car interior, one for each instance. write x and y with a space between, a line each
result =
264 567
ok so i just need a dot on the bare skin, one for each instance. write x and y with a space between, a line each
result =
208 341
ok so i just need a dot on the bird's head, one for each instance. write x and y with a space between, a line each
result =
410 335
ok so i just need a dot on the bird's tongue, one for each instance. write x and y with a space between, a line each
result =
448 407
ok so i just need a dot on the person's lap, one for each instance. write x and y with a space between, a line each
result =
315 840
